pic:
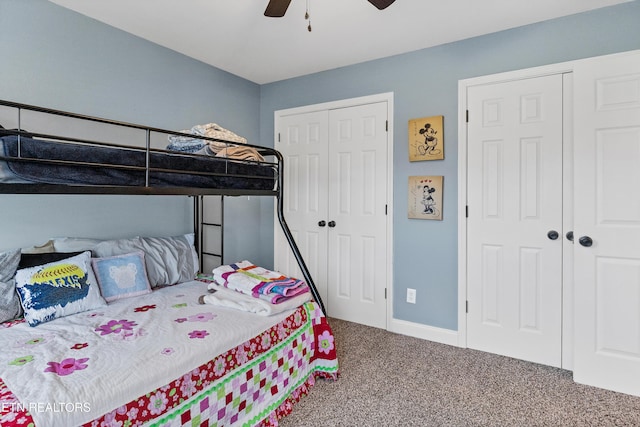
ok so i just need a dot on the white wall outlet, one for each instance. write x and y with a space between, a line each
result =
411 296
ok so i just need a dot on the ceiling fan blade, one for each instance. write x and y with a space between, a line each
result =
276 8
381 4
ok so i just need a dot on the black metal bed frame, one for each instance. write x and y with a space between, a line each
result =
41 188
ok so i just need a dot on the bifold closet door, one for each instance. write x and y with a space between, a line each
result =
515 236
607 222
303 142
357 238
335 200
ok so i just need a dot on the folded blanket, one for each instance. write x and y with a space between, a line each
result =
238 301
258 282
185 144
223 148
220 149
241 152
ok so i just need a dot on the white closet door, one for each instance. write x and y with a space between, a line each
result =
303 143
335 198
357 202
514 194
607 211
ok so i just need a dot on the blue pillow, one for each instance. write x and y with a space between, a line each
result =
58 289
121 276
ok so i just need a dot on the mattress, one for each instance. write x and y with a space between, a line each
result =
162 359
93 165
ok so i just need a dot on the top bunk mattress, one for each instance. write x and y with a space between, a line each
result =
26 160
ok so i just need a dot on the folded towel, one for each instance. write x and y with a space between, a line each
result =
238 301
258 282
220 149
241 152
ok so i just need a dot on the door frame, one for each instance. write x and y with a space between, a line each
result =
565 68
354 102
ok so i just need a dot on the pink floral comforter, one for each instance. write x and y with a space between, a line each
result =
162 359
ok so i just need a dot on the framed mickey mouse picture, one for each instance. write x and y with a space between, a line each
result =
426 139
425 197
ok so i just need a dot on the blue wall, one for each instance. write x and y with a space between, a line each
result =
56 58
424 84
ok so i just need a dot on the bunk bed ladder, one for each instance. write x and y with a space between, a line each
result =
202 222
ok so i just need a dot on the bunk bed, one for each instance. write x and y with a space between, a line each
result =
157 357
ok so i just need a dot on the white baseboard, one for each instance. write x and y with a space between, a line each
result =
430 333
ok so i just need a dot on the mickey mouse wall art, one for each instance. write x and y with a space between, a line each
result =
426 139
425 197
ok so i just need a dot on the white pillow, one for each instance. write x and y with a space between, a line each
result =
169 260
41 249
74 244
10 307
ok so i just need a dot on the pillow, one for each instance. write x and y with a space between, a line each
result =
121 276
175 256
169 260
58 289
46 247
191 239
10 307
73 244
35 259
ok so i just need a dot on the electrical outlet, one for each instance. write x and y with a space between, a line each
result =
411 296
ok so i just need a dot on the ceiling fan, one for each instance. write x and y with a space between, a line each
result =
277 8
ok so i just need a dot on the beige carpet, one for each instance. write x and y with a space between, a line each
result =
393 380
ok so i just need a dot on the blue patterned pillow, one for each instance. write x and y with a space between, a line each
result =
58 289
121 276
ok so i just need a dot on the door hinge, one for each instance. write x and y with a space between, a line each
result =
467 116
466 211
466 306
386 125
386 207
278 136
385 293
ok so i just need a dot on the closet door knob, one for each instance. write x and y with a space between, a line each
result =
569 236
332 223
322 223
553 235
585 241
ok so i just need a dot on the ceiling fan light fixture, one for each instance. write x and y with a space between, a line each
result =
276 8
381 4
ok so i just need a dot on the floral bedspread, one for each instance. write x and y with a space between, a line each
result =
162 359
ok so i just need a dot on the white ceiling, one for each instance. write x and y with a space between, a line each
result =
235 36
